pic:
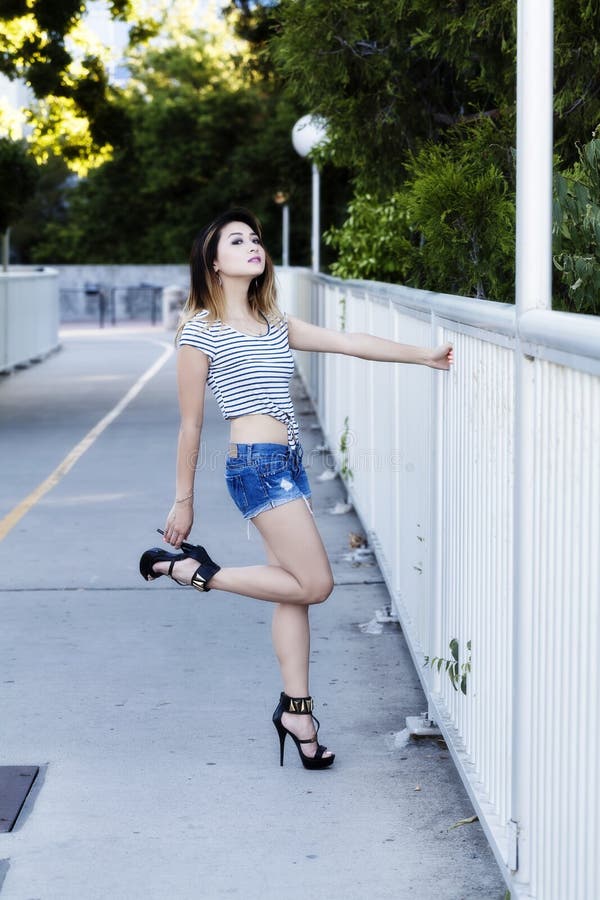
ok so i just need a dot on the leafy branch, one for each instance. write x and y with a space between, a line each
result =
345 470
457 672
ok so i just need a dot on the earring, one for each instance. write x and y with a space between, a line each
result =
218 278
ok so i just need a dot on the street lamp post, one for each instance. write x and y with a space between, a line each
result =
281 199
308 133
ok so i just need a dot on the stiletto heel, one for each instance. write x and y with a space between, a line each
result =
282 732
201 576
300 706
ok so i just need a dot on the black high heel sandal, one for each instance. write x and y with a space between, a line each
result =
300 706
201 576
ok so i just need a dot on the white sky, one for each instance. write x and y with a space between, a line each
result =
113 34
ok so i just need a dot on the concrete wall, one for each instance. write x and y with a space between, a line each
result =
28 316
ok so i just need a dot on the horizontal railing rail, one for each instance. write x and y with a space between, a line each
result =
479 490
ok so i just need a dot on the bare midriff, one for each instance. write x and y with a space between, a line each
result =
258 428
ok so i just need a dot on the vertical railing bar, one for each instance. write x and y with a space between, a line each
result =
436 481
541 646
477 518
579 539
371 382
509 551
550 761
533 289
568 599
593 573
483 586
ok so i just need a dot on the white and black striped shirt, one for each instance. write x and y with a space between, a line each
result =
248 374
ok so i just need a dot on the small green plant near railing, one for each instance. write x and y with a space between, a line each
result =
457 672
345 470
342 313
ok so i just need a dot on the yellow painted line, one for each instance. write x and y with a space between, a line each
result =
15 515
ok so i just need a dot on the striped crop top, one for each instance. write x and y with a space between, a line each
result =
248 374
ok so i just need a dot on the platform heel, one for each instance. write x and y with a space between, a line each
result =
300 706
201 576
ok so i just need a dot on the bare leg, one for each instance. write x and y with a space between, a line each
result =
303 575
298 574
291 641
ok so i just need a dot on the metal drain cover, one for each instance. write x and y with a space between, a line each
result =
15 784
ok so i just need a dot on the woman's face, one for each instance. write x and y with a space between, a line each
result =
239 252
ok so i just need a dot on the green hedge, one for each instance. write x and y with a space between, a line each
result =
450 227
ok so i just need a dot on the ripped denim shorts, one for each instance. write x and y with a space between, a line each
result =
263 476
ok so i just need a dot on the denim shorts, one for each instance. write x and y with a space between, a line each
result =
263 476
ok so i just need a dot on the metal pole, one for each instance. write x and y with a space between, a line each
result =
316 218
535 45
6 249
535 39
285 237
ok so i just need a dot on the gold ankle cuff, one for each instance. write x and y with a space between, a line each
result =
199 583
299 704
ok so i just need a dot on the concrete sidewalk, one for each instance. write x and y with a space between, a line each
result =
148 707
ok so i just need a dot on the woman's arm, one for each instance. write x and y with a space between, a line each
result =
192 371
304 336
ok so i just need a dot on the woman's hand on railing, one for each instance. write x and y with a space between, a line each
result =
441 357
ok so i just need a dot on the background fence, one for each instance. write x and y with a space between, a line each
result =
115 294
103 304
479 490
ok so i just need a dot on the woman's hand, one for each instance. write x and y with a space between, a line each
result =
441 357
179 523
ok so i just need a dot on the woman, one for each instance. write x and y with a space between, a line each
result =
233 336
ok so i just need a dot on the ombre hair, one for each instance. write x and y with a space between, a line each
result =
205 288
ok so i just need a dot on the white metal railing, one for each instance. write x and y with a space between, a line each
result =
29 316
479 490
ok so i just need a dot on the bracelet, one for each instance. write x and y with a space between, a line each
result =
183 499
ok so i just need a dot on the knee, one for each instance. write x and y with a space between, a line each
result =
319 590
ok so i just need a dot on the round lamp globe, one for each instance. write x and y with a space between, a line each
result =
308 133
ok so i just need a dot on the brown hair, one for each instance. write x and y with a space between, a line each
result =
205 289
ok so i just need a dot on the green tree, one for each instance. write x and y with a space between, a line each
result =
18 176
448 228
34 47
394 80
577 232
255 23
45 204
198 138
390 75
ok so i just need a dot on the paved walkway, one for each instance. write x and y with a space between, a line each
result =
148 706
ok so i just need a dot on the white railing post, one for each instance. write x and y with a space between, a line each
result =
533 291
535 37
